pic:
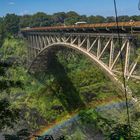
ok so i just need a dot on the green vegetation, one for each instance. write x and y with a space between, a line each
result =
111 127
69 18
11 22
135 84
71 83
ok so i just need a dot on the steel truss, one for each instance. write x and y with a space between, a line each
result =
103 48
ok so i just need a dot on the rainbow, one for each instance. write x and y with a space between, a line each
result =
100 105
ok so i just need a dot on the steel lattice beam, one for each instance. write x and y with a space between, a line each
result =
95 44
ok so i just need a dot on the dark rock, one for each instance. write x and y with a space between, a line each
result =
58 108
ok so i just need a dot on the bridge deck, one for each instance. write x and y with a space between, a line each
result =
132 26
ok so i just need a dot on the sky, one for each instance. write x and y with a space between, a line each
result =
83 7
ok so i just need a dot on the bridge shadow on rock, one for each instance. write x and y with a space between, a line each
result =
68 94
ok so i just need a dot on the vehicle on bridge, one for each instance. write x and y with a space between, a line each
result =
27 27
80 23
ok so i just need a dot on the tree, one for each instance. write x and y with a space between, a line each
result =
99 19
40 19
120 132
91 19
135 18
83 18
72 18
110 19
123 18
11 23
96 19
72 14
2 31
8 115
59 18
25 21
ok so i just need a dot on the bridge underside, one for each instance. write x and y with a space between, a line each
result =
42 62
103 49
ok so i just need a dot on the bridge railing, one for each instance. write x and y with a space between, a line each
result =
130 24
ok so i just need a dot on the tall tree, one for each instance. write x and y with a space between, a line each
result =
124 18
40 19
8 115
110 19
96 19
11 22
135 18
91 19
72 18
99 19
59 18
2 31
25 21
83 18
73 14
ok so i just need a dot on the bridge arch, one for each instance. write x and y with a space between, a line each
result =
91 56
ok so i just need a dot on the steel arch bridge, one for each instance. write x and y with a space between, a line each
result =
99 42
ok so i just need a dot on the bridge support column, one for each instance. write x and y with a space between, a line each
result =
79 41
88 43
127 56
111 57
99 47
